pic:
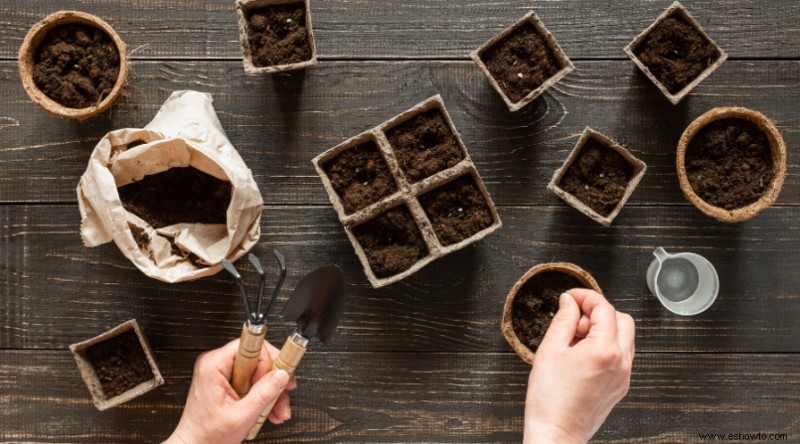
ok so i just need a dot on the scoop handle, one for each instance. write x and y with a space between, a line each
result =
246 360
287 360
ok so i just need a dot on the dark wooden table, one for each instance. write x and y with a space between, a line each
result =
422 360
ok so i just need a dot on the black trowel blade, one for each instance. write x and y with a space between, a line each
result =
317 303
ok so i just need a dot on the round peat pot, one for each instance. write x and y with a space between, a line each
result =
778 158
27 64
571 271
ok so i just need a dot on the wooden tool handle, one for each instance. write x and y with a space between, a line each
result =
246 360
288 360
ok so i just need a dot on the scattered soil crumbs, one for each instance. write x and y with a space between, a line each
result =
360 176
537 303
597 177
76 65
425 145
141 237
391 241
178 195
729 163
457 210
278 35
676 53
521 62
120 363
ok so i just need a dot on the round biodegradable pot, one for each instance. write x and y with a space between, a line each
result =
777 147
28 50
507 325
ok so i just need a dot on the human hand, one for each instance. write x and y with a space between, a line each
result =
214 413
581 370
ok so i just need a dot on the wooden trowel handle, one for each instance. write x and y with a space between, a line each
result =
246 360
288 360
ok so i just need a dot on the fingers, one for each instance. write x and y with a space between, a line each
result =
583 327
626 329
265 391
565 322
601 314
282 410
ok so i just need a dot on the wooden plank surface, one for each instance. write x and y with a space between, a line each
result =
454 304
420 29
405 397
280 123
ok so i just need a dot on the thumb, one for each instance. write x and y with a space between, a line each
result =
265 391
565 322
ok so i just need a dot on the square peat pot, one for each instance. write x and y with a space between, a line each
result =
675 53
398 188
117 365
521 79
275 35
598 177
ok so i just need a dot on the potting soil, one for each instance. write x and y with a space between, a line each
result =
729 163
457 210
391 241
537 302
76 65
120 363
425 145
141 237
521 62
278 35
360 176
597 177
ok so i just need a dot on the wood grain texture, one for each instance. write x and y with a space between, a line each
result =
280 123
436 397
429 29
454 304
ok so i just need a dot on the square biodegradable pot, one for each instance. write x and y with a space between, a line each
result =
638 169
142 365
407 193
243 10
695 30
530 22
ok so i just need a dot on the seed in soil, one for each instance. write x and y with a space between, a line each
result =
425 144
278 35
521 62
457 210
178 195
676 52
76 65
537 302
120 363
597 177
729 163
360 176
392 242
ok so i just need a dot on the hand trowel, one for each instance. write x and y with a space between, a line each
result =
317 305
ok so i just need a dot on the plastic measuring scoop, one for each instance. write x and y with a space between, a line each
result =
685 283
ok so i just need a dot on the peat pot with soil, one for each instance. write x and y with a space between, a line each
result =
275 35
675 53
731 163
73 64
533 301
523 61
598 177
117 365
407 192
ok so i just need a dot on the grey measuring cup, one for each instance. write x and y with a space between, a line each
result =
684 283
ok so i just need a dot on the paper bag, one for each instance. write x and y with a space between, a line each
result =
185 132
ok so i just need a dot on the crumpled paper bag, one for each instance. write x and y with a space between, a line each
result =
185 132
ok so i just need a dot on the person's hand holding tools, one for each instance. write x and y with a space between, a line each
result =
214 413
581 370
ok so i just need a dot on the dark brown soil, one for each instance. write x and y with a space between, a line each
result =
729 163
141 237
457 210
676 52
391 241
521 62
178 195
425 145
360 176
120 363
537 303
76 65
597 177
278 34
